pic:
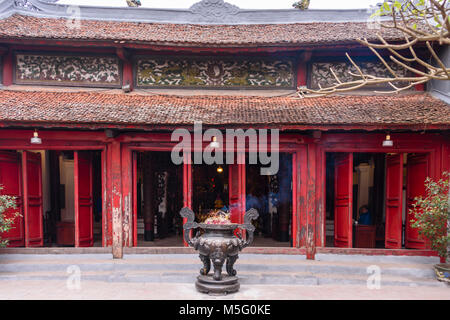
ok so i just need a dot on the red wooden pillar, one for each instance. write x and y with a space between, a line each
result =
127 67
311 203
128 74
116 200
187 185
7 68
302 68
127 198
302 159
320 197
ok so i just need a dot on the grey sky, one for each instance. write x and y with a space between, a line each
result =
244 4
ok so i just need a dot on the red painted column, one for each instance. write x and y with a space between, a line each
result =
302 198
127 67
311 203
302 68
7 68
116 200
127 198
187 185
320 191
128 74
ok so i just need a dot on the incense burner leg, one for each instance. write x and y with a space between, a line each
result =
218 259
206 264
230 263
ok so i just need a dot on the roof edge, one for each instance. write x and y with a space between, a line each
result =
205 12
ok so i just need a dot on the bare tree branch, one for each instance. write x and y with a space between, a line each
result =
425 22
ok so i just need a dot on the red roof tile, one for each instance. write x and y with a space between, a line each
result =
18 26
123 109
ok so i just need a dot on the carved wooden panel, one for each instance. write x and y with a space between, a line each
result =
321 74
213 72
67 70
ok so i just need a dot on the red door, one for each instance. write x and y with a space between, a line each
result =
32 191
417 171
236 192
83 199
394 191
343 200
11 180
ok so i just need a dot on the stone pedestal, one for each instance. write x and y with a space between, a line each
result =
207 284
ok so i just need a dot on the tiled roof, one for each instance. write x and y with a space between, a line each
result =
147 110
21 26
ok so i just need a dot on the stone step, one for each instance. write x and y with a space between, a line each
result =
187 276
242 256
193 265
252 269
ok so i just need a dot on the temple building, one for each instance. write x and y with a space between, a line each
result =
90 98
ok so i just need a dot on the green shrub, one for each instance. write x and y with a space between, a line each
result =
432 214
6 223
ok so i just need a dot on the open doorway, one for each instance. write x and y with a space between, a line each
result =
271 195
159 197
58 195
368 197
210 189
75 186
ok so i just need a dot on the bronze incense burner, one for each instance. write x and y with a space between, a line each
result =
218 245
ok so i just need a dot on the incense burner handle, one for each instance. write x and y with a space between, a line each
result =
190 224
250 215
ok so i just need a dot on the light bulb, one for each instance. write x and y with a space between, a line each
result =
214 143
35 139
388 142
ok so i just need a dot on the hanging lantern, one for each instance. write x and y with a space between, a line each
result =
214 143
35 139
388 142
